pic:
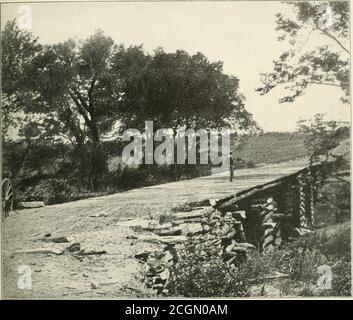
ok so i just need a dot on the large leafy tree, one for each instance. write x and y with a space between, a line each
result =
78 80
180 90
18 48
73 92
301 66
79 92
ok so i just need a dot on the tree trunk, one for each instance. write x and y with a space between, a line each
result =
97 157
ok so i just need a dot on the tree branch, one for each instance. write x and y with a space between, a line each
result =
80 108
334 39
73 125
324 83
90 91
82 100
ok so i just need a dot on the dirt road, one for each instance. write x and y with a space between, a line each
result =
97 224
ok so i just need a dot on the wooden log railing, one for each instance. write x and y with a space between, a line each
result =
284 207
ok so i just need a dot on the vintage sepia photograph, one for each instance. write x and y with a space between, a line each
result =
190 149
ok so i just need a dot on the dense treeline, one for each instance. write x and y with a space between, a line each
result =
70 102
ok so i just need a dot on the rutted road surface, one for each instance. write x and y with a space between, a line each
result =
97 224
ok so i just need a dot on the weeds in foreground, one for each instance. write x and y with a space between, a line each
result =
202 273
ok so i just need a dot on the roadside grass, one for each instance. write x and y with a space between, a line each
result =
306 259
303 260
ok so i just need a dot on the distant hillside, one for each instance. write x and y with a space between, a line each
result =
270 147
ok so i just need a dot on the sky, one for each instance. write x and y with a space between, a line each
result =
241 34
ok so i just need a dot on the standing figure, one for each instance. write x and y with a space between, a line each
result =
231 167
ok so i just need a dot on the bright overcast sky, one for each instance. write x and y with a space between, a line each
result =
241 34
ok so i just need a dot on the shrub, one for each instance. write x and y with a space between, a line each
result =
256 267
250 164
204 274
304 265
335 196
330 247
341 279
49 191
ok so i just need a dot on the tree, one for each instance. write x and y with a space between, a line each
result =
320 136
72 89
299 68
18 47
180 90
78 92
78 85
177 90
